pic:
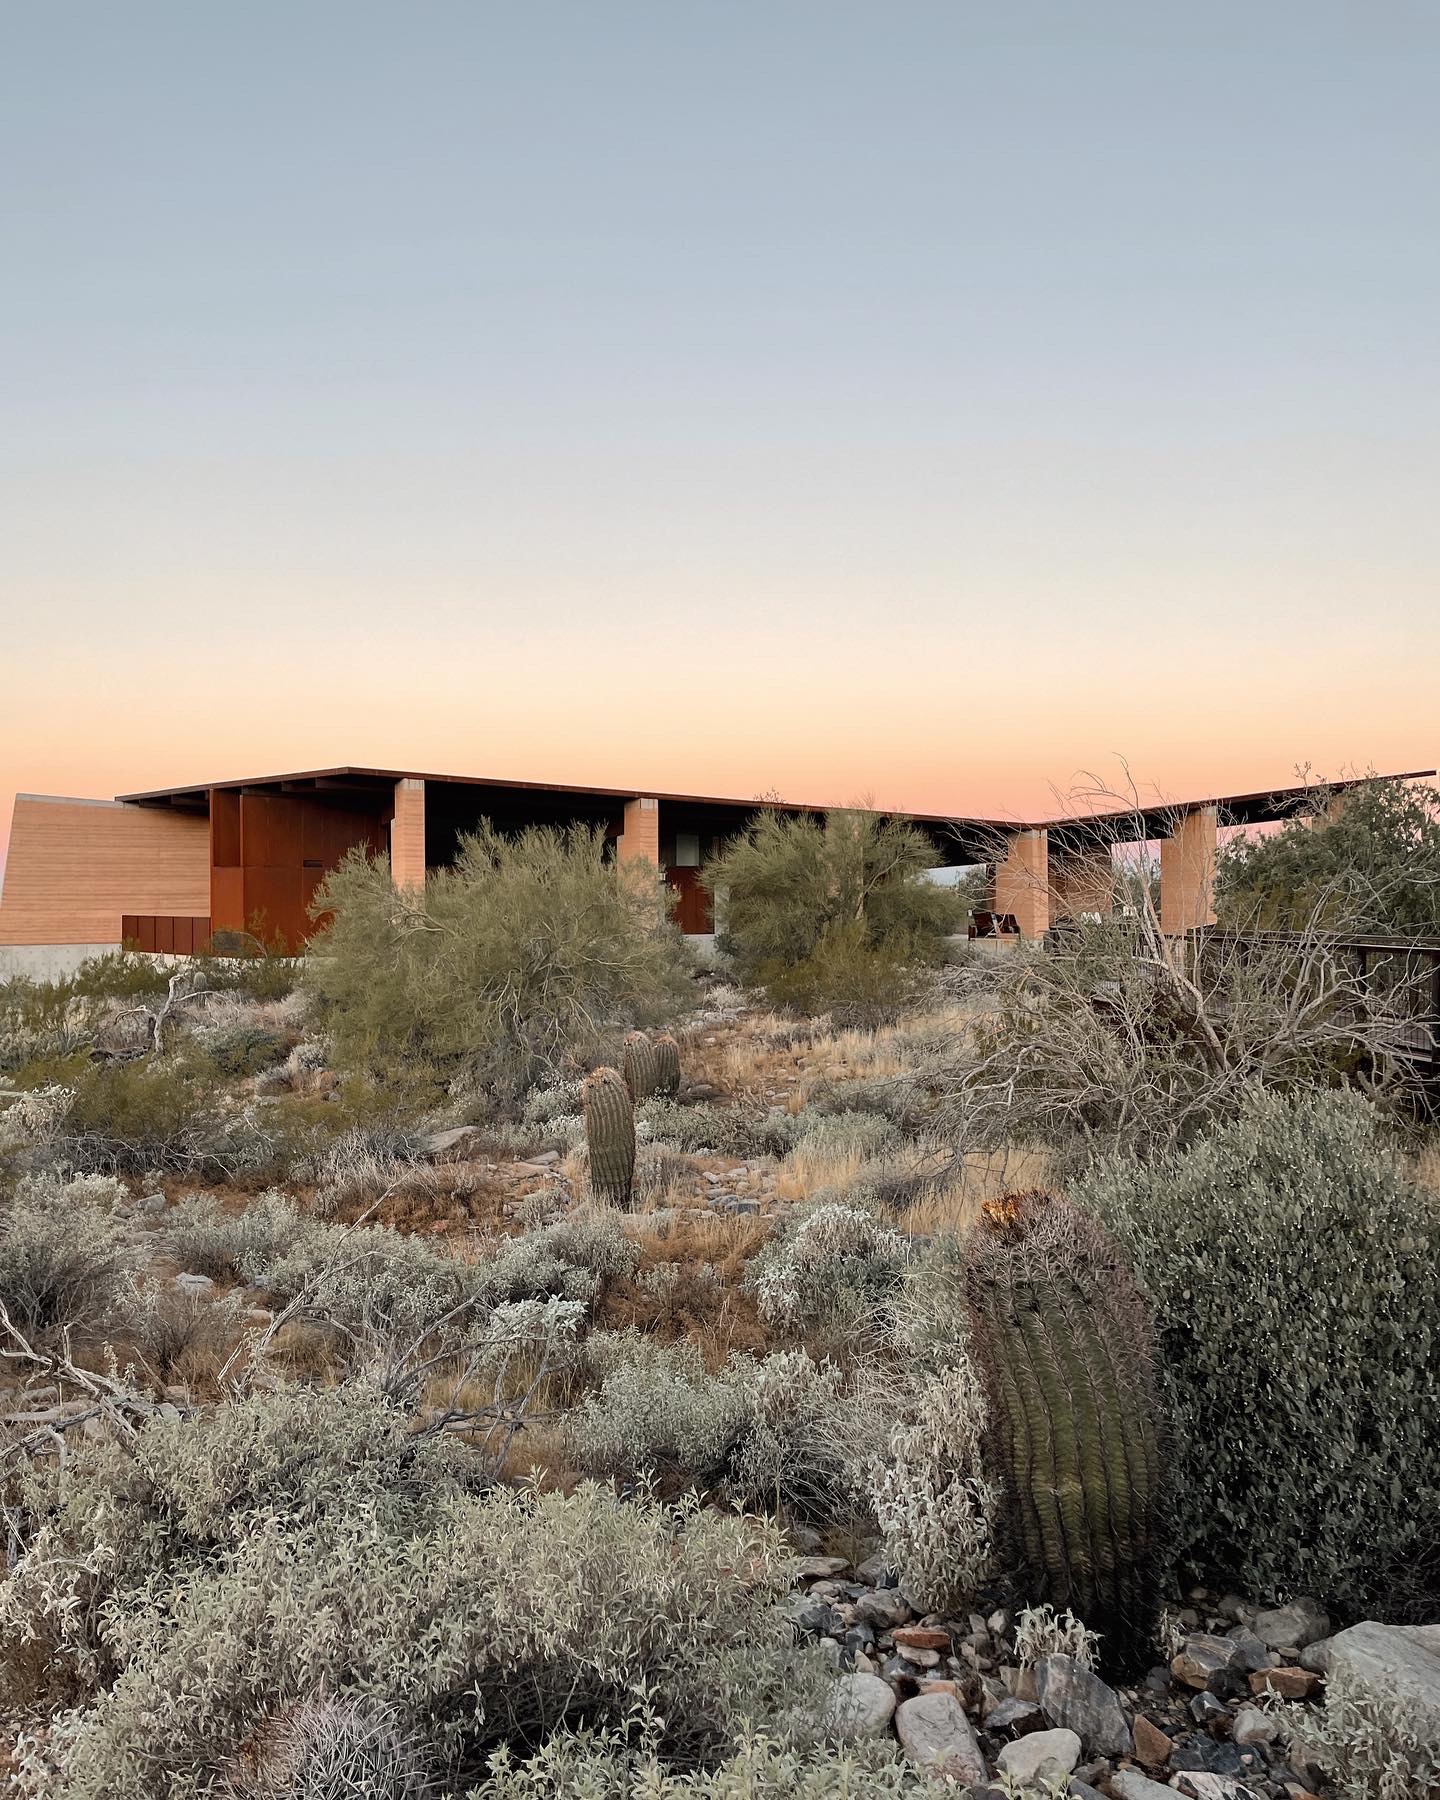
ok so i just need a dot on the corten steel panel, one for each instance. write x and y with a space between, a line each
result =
227 899
129 928
76 867
269 831
146 932
224 829
164 933
273 905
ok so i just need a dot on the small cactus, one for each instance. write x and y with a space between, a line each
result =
325 1749
641 1066
610 1135
1066 1348
667 1060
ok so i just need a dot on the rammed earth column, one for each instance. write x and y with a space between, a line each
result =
1187 872
407 835
1022 882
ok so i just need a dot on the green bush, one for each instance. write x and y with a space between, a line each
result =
67 1252
307 1542
246 1049
529 954
828 1271
1293 1263
659 1410
831 917
1373 865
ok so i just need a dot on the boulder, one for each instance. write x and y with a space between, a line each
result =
1130 1784
860 1706
1202 1659
1074 1697
1015 1717
1152 1745
1394 1663
1293 1626
1024 1758
937 1737
884 1608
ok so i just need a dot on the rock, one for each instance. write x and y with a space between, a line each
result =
872 1571
1130 1784
1316 1657
860 1706
937 1737
1023 1758
934 1685
884 1608
1081 1701
1288 1683
1081 1790
151 1205
1253 1653
818 1568
1201 1785
1152 1745
1015 1717
1205 1710
1251 1726
921 1637
1395 1664
922 1659
1293 1626
1202 1658
454 1145
190 1283
1216 1756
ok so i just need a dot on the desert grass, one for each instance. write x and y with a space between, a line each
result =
952 1205
1427 1166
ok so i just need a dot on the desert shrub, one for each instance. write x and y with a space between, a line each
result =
1292 1263
308 1542
129 1117
1372 1745
828 1271
175 1332
658 1410
1117 1038
246 1049
1372 864
725 1130
554 1100
207 1240
848 1133
613 1766
572 1259
828 917
1040 1632
811 1433
932 1499
528 953
67 1251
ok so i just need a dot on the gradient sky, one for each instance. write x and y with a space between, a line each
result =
920 400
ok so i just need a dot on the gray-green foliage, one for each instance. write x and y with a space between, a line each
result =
1293 1266
658 1408
829 1269
177 1595
726 1130
67 1252
527 953
573 1258
325 1749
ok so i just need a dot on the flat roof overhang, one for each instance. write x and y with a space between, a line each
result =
957 838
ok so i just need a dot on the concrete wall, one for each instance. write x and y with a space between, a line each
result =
76 866
46 962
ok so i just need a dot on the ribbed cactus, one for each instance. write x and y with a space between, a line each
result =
640 1064
667 1059
1067 1351
610 1135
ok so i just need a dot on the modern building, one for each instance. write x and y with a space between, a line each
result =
169 869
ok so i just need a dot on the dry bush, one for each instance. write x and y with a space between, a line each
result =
68 1252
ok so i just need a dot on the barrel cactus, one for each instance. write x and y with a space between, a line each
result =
667 1060
1066 1349
610 1135
641 1065
328 1749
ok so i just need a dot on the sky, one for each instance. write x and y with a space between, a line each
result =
921 401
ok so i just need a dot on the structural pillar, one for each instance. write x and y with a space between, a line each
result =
640 839
407 835
1187 872
1022 882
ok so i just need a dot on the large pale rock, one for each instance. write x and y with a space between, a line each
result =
1081 1702
1293 1626
1023 1759
1130 1784
937 1737
861 1706
1393 1662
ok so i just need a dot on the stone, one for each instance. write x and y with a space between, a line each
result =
1316 1657
1201 1785
1205 1710
872 1571
922 1659
1023 1758
1288 1683
934 1685
884 1608
1202 1658
921 1637
1079 1700
454 1145
1130 1784
1394 1663
1252 1726
151 1205
937 1737
818 1568
1015 1717
1293 1626
860 1706
1216 1756
190 1283
1152 1745
1253 1653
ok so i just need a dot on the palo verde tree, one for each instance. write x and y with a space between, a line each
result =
1365 859
828 916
